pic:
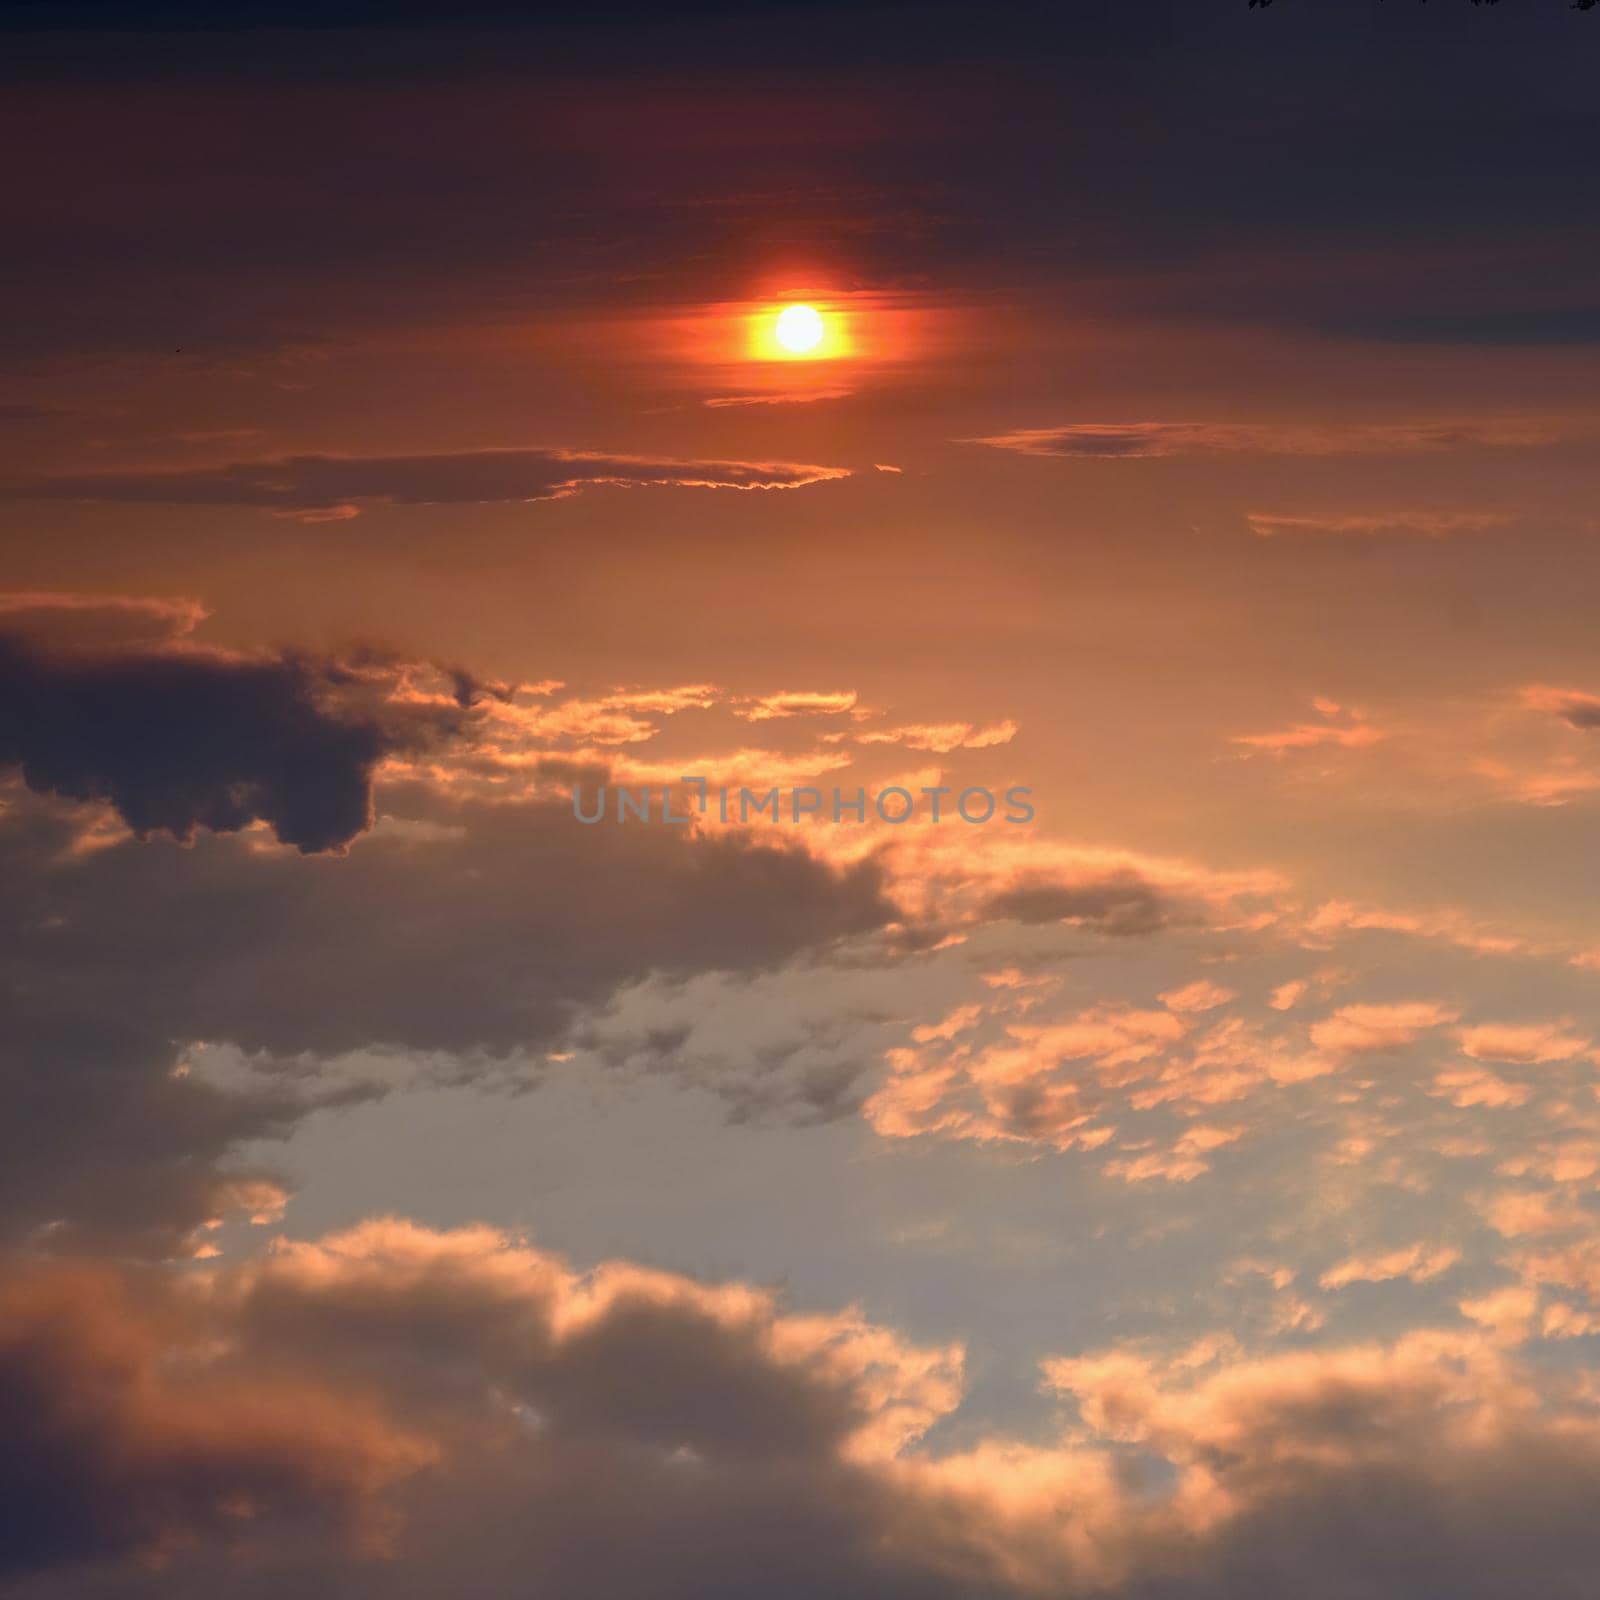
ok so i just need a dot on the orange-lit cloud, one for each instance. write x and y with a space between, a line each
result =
1416 1263
1526 1043
942 738
1342 727
797 703
1358 1029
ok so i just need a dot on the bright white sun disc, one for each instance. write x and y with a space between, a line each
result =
799 329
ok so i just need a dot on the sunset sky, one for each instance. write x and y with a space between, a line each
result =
409 1190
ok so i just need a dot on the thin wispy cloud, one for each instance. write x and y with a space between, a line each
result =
1412 524
1132 441
327 487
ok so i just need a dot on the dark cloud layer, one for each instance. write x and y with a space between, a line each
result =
1261 194
326 484
1136 441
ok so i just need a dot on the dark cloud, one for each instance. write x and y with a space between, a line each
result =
658 1436
1143 440
179 738
109 1145
324 484
1122 903
464 926
124 1442
1578 708
1581 712
472 929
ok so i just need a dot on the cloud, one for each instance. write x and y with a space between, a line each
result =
115 952
1507 1313
549 1405
1342 727
1360 1029
1416 1263
246 1422
621 717
1574 706
59 620
1141 1085
1518 1213
1128 441
1368 1467
1044 1084
944 737
1336 917
1458 752
964 878
797 703
178 738
1420 524
1531 1044
479 929
1465 1087
129 1439
793 397
1251 1063
1201 995
1186 1160
328 486
1122 903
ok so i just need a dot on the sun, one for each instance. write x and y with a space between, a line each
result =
799 329
799 334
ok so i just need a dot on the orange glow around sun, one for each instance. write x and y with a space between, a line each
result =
801 338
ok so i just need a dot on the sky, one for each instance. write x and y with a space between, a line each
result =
1178 1185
